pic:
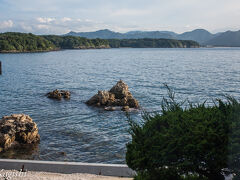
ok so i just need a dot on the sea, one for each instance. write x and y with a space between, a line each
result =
72 131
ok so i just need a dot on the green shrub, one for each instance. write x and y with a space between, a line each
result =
198 139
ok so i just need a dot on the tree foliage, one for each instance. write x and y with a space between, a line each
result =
71 42
199 139
152 43
22 42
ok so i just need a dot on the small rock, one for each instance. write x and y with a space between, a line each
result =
125 108
63 153
110 108
59 94
98 104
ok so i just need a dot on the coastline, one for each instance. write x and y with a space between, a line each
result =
15 42
17 52
88 48
44 51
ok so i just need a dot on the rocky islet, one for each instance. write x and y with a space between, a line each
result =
17 129
118 95
59 94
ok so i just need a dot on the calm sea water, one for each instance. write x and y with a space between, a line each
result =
89 134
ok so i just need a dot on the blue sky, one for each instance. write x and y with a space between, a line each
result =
62 16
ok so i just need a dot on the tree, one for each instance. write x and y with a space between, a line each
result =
198 139
22 42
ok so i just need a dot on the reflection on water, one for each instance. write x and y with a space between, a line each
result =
28 151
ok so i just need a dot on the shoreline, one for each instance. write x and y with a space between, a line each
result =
22 52
45 51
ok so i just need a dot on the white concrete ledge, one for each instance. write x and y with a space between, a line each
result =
118 170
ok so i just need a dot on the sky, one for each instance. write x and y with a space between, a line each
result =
62 16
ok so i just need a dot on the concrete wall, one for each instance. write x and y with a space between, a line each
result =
68 167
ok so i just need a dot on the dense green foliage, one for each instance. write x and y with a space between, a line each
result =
198 139
21 42
152 43
71 42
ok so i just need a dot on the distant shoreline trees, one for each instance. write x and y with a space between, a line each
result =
21 42
27 42
152 43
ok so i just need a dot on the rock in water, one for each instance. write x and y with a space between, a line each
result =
59 94
120 90
125 108
110 108
119 95
17 129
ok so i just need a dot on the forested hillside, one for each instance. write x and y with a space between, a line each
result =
152 43
23 42
71 42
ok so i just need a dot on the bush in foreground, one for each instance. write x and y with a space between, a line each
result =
179 142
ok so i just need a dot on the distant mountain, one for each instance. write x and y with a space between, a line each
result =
107 34
103 34
201 36
149 34
229 39
146 34
165 32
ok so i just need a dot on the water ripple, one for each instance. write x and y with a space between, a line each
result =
72 131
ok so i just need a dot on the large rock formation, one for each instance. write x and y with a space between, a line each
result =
59 94
118 95
17 129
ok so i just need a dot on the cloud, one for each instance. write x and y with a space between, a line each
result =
45 20
65 19
49 25
61 16
6 24
25 28
42 26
